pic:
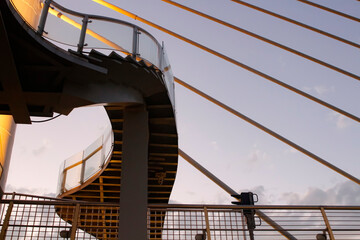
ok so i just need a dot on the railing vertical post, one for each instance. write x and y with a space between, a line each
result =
207 223
83 165
243 220
328 227
62 190
135 50
161 60
81 43
102 161
6 221
43 17
75 221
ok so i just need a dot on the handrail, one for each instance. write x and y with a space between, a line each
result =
144 46
104 158
87 18
180 206
98 17
83 160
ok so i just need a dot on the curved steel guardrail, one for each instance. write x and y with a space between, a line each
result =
80 32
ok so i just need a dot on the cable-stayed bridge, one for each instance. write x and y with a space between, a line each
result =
133 80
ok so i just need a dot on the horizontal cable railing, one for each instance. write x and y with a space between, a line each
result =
80 167
45 219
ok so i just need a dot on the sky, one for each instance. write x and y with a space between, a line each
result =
242 156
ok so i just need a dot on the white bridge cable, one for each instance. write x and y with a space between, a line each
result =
231 191
297 23
231 60
270 132
330 10
274 43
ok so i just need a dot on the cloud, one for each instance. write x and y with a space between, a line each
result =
346 193
221 198
291 151
42 148
263 197
214 145
341 121
33 191
324 89
255 158
320 89
257 155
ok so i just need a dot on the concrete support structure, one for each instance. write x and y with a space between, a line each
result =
134 175
7 134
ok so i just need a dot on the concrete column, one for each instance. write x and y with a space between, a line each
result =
134 175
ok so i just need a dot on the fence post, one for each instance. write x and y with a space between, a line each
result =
43 17
135 50
62 190
243 221
6 221
75 221
161 56
81 43
328 227
102 162
207 223
83 165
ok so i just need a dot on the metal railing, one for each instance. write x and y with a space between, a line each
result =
32 217
80 32
80 167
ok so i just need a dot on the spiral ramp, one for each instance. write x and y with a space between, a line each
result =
43 79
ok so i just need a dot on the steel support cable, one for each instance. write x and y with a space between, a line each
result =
264 39
297 23
330 10
231 191
226 58
270 132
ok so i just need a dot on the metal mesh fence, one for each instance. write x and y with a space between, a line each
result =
32 217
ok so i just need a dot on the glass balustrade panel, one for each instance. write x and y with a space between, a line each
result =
107 143
29 10
93 165
94 159
105 37
169 77
92 148
73 159
63 29
149 49
72 170
60 179
72 178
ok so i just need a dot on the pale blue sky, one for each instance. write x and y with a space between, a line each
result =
239 154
